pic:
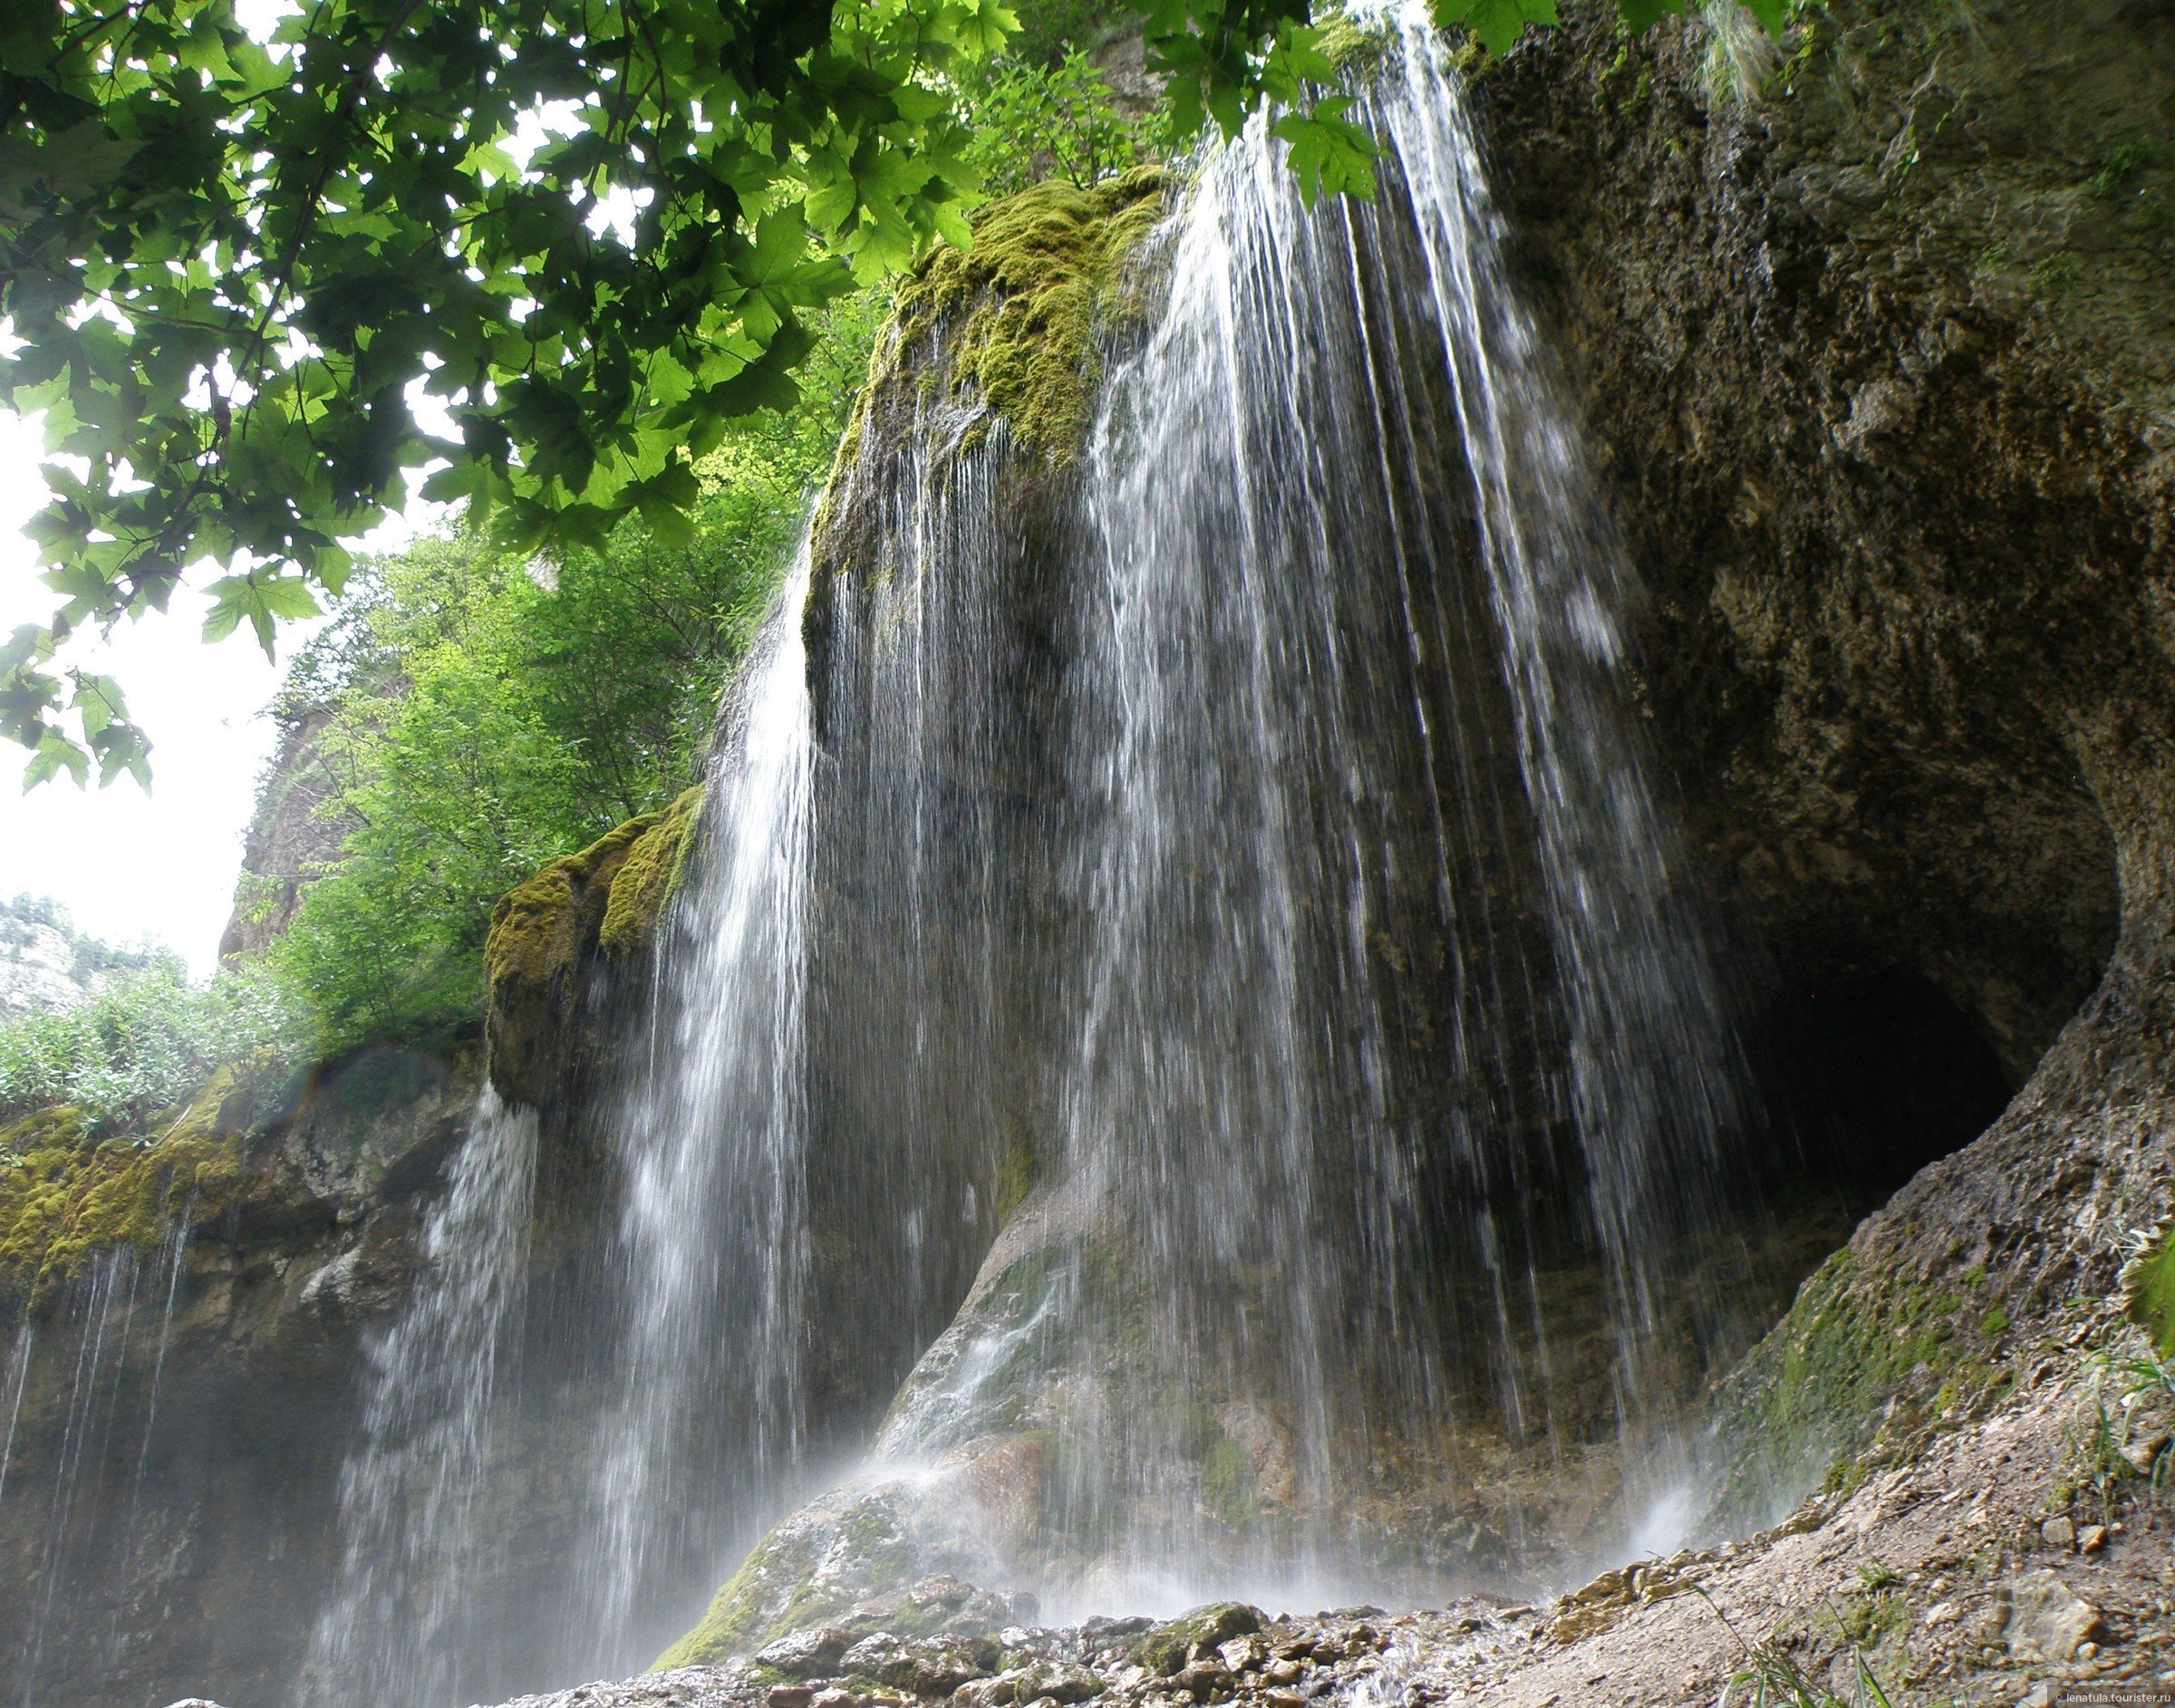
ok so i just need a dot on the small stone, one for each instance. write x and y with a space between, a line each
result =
1284 1672
2047 1621
2140 1454
2092 1538
2059 1532
790 1696
1942 1612
835 1698
1057 1683
807 1653
2087 1651
1284 1698
999 1692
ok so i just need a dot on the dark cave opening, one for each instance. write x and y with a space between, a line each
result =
1868 1075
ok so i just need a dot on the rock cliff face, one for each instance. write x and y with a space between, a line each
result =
290 839
184 1366
1881 359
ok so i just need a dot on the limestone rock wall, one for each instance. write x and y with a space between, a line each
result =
177 1404
1878 348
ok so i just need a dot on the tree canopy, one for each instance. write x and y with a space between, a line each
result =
546 249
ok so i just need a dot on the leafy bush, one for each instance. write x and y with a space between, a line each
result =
139 1047
1035 119
486 713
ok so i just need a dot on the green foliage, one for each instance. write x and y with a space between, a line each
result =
143 1043
1034 120
492 711
234 264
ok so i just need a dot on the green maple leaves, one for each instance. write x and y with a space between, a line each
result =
259 284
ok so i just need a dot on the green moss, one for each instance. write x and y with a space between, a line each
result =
1227 1483
64 1197
736 1616
1015 1172
1865 1353
649 875
1353 44
1019 309
2149 1287
542 926
1164 1649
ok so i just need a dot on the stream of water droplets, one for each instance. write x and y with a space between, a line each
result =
1320 957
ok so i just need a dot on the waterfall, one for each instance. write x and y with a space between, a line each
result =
712 1258
409 1543
682 1418
1393 1024
1235 914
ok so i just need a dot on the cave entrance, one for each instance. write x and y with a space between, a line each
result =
1868 1076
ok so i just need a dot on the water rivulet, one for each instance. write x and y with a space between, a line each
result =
1395 1085
1196 920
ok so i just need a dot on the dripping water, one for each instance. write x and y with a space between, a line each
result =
711 1257
409 1545
1392 1023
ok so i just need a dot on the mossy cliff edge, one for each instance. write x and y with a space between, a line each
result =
67 1197
1003 342
601 905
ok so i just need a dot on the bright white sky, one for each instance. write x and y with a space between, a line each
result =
127 864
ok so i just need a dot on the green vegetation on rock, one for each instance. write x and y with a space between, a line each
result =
1166 1648
2149 1287
1018 310
142 1043
1866 1354
541 928
649 875
66 1195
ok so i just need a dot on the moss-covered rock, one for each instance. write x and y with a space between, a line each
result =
1018 310
542 927
649 877
65 1196
1868 1354
1169 1645
863 1559
546 931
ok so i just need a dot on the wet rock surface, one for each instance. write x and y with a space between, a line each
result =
1935 1577
181 1406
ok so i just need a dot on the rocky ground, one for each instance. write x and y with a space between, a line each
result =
2022 1553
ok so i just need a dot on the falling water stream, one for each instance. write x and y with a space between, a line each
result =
91 1485
1280 913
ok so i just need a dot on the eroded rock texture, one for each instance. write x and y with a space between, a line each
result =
1880 357
177 1404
